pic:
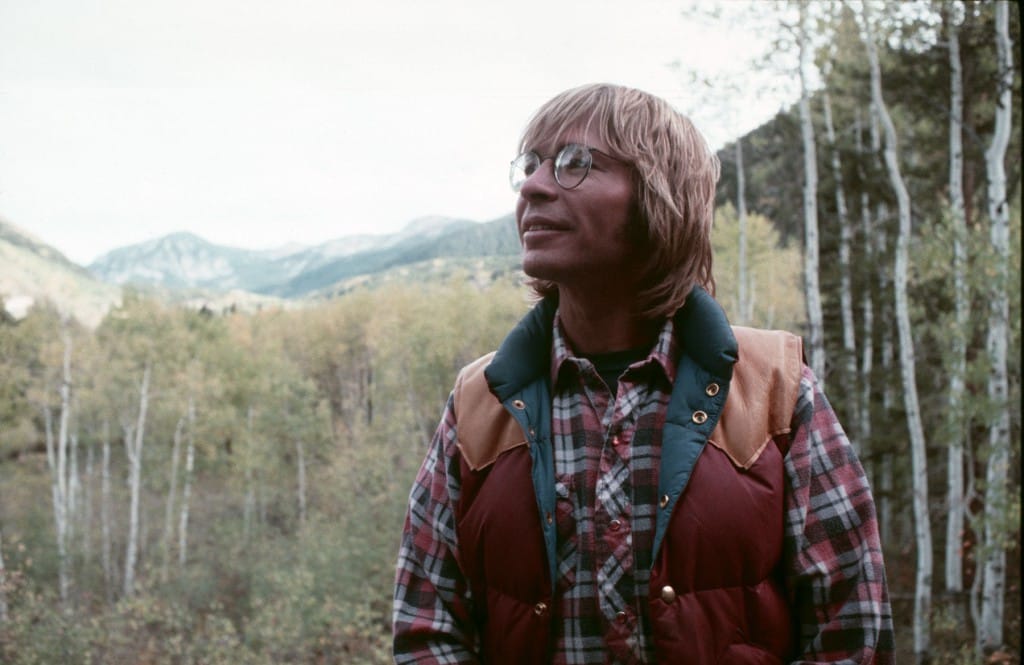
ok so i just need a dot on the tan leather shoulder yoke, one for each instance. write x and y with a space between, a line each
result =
762 394
484 428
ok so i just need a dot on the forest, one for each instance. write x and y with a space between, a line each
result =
197 486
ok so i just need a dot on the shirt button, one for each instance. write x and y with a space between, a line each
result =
540 609
621 617
615 525
712 389
668 594
616 440
700 417
664 501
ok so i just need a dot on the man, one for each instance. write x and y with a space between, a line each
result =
628 479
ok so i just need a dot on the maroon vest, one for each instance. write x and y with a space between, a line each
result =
716 593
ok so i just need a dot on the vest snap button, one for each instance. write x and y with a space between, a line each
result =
549 518
712 389
540 609
621 617
668 594
664 501
614 525
700 417
519 404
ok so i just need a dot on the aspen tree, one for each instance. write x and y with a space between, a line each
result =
3 582
849 375
922 523
867 305
133 441
57 449
186 490
812 288
990 633
106 526
961 302
165 543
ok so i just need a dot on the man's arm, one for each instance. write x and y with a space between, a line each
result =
835 576
432 617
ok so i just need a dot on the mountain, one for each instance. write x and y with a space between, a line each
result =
457 239
32 271
186 261
181 260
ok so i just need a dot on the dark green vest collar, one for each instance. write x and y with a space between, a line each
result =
525 355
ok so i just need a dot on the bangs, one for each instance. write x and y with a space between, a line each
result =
578 110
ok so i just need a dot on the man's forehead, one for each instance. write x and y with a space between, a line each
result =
555 139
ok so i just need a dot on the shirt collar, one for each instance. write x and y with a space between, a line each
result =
665 352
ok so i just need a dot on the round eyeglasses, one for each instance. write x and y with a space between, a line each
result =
572 165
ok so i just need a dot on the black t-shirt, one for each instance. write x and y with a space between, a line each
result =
610 366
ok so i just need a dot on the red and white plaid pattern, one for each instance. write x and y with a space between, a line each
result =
606 467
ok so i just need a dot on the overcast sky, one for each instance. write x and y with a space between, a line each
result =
256 123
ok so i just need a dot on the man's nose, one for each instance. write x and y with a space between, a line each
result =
541 183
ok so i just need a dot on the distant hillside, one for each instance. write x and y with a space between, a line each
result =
459 239
35 272
183 261
480 271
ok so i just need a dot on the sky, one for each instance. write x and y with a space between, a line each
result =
259 123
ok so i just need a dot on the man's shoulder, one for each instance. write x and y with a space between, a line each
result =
762 393
485 429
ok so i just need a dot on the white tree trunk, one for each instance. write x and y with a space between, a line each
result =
301 464
105 517
880 249
922 524
87 505
172 490
133 445
845 282
958 366
997 469
745 304
3 582
815 326
74 488
249 504
57 460
62 468
867 310
186 490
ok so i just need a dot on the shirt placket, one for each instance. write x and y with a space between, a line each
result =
613 527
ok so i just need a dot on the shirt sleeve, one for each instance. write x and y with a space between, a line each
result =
835 576
431 612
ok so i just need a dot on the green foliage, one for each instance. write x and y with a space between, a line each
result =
358 381
775 271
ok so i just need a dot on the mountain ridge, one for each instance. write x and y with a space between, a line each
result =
185 260
34 272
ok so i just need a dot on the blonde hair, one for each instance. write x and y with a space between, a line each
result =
675 175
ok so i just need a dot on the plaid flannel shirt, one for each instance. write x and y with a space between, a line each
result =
834 572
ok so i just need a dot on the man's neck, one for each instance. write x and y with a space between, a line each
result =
604 327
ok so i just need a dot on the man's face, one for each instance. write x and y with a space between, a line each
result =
579 238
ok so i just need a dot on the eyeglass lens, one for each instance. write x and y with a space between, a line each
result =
572 164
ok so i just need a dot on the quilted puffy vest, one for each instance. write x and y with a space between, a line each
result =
716 592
